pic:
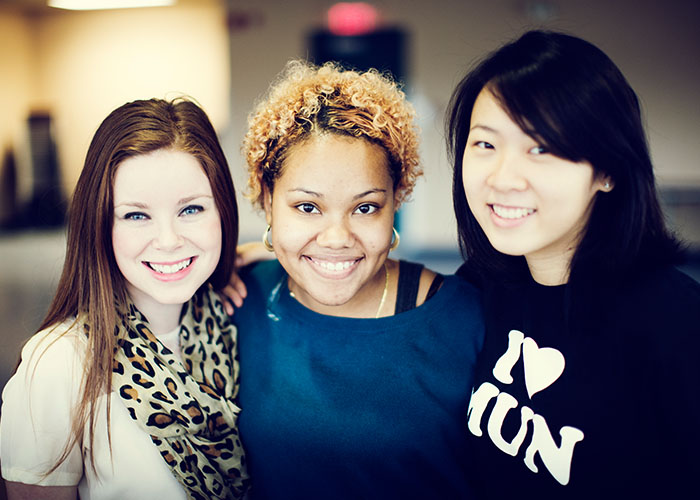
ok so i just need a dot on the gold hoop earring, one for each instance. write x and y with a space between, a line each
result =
266 241
396 240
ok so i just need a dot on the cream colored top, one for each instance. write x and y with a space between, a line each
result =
37 405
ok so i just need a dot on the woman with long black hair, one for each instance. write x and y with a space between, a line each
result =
587 385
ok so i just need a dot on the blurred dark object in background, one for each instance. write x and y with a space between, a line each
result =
382 49
46 206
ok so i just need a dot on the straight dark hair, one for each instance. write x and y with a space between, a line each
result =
570 97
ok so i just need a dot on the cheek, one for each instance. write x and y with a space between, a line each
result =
375 235
127 246
288 230
471 181
291 237
582 210
209 234
574 193
474 192
567 209
126 243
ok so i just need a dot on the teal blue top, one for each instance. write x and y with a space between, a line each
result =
338 407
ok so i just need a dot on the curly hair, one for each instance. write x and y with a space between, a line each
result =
308 100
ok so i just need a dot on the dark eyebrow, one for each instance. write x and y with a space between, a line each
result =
483 127
371 191
356 197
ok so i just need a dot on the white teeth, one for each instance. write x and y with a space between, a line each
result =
166 269
512 213
335 266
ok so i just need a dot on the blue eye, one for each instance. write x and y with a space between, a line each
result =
539 150
366 208
307 208
192 210
137 216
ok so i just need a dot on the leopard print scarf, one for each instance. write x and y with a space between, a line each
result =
187 407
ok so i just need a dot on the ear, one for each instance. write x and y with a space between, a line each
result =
267 204
605 183
397 201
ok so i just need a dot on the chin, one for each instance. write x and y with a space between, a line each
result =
509 249
329 298
174 299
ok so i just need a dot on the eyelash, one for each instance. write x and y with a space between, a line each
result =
133 215
543 150
483 145
140 216
198 209
301 206
373 208
486 145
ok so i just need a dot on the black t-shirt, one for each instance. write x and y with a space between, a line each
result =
607 411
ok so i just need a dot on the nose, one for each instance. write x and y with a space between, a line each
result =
506 173
335 234
168 236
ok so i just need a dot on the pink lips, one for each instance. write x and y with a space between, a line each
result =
182 273
504 222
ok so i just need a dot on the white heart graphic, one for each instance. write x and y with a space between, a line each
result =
543 366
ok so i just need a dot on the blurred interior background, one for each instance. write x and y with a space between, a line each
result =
62 71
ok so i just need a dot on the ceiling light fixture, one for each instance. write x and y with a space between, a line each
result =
106 4
352 18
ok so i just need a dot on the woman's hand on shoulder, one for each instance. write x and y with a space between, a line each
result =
235 291
21 491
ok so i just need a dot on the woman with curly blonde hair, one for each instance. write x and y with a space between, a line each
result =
356 369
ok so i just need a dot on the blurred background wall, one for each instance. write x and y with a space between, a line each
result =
76 66
62 72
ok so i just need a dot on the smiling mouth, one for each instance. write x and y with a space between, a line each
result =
334 266
511 212
170 268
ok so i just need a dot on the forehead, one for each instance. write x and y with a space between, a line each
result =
489 110
332 158
158 174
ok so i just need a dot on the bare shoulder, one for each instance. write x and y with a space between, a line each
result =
426 280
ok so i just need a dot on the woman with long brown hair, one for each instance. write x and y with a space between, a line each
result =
128 388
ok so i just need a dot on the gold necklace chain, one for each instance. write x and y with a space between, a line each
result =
381 302
386 287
